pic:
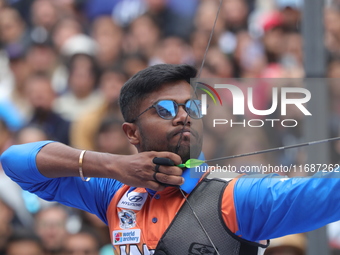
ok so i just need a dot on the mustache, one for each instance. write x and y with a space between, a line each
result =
180 130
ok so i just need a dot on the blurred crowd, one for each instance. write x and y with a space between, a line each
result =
63 62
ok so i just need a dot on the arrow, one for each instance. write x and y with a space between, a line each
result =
197 162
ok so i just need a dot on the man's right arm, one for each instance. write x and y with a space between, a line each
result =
55 160
51 171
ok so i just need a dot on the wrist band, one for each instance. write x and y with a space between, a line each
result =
81 157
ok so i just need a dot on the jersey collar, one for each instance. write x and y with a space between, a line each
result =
193 175
190 175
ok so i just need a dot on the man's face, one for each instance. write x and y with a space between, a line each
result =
80 244
24 247
158 134
51 228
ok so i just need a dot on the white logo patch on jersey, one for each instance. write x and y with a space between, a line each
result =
127 236
127 219
133 200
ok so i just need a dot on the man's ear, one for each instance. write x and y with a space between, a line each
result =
131 131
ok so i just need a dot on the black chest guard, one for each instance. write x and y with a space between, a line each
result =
185 236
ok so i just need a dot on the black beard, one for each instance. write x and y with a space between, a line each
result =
184 151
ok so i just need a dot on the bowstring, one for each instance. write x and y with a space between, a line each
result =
200 72
186 121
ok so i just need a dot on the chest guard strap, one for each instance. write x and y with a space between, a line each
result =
185 236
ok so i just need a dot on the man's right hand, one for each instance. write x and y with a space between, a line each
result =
138 170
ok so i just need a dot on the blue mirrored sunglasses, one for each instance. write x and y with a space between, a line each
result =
168 109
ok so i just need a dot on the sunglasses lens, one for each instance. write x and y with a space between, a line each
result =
166 109
194 109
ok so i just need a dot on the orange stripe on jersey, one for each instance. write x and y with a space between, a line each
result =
152 219
228 207
112 209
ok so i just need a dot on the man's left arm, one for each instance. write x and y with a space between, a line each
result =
274 206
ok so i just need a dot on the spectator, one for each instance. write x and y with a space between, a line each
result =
72 8
44 15
109 37
41 96
96 227
273 38
287 245
332 29
5 136
133 63
63 30
2 4
171 23
172 50
109 137
219 63
235 15
85 128
50 226
15 109
24 243
205 17
143 36
198 42
334 94
82 243
82 95
291 13
6 227
29 134
42 58
12 28
24 204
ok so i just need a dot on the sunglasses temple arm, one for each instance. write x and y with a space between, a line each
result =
141 114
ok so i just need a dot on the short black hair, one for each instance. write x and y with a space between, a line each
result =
108 122
149 80
24 235
95 70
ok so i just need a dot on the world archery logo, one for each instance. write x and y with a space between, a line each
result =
211 92
118 237
126 236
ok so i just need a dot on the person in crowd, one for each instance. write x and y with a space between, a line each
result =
110 129
82 94
85 128
24 242
287 245
109 37
42 97
6 226
50 226
81 243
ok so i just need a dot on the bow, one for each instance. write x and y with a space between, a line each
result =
186 121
